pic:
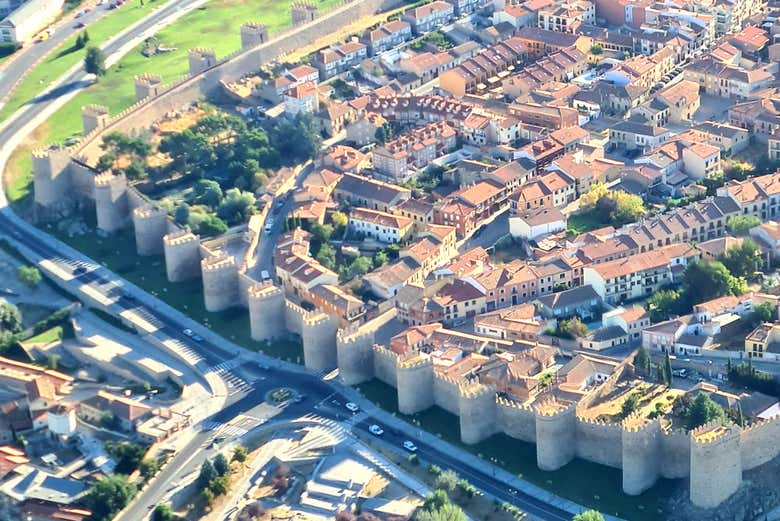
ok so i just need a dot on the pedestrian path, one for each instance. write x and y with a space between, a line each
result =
235 383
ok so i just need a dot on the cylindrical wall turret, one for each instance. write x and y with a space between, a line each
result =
318 333
151 225
641 444
716 464
414 384
556 427
51 176
182 255
478 419
201 59
147 85
111 201
253 34
266 312
94 116
220 282
355 356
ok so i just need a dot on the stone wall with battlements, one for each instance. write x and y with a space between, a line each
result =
477 412
355 355
760 443
385 364
446 393
267 309
516 420
640 445
220 282
414 384
182 255
318 334
675 454
556 430
599 441
716 464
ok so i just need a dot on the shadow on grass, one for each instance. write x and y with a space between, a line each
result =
590 484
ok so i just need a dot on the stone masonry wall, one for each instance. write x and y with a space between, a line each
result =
760 443
446 393
516 420
599 442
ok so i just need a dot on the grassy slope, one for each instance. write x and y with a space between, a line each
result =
215 25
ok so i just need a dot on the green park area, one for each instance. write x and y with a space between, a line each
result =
574 481
215 25
118 253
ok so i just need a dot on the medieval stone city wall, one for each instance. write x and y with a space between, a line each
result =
446 393
599 441
716 464
385 364
675 454
759 443
516 420
640 445
414 385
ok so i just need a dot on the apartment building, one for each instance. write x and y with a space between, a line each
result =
633 135
399 158
558 67
336 60
429 17
465 208
761 117
301 99
567 17
387 36
728 81
639 275
758 196
729 138
381 226
549 117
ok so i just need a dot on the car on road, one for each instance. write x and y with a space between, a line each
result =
269 226
352 406
80 25
196 337
264 275
376 430
411 447
188 332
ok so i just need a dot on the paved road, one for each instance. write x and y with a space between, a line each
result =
28 56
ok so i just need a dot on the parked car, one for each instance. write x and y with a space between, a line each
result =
376 430
188 332
351 406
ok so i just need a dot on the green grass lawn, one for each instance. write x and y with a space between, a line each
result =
118 253
575 481
584 222
215 25
66 56
51 335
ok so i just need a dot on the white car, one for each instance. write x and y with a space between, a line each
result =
411 447
376 430
352 406
188 332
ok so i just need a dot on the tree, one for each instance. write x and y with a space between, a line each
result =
190 152
29 276
239 454
220 486
207 192
162 512
327 256
10 318
740 225
182 214
466 488
447 481
630 404
660 374
221 464
322 232
95 61
108 496
435 500
207 474
764 312
742 260
106 162
127 455
663 304
706 281
339 220
589 515
642 361
572 328
448 512
703 410
148 467
360 266
212 225
667 370
207 496
296 139
237 206
380 259
596 49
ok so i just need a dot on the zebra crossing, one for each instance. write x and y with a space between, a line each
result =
235 383
233 429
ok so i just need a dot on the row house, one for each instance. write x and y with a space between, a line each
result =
435 245
338 301
483 69
336 60
467 207
584 171
633 135
728 81
429 17
561 66
758 196
421 109
370 193
387 36
427 65
761 117
643 70
729 138
399 158
381 226
541 153
541 42
639 275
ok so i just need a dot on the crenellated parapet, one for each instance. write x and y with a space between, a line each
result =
220 282
318 334
758 442
267 319
147 86
477 412
385 364
201 59
716 463
556 431
51 178
94 117
414 383
182 255
641 446
150 223
355 355
253 34
111 206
